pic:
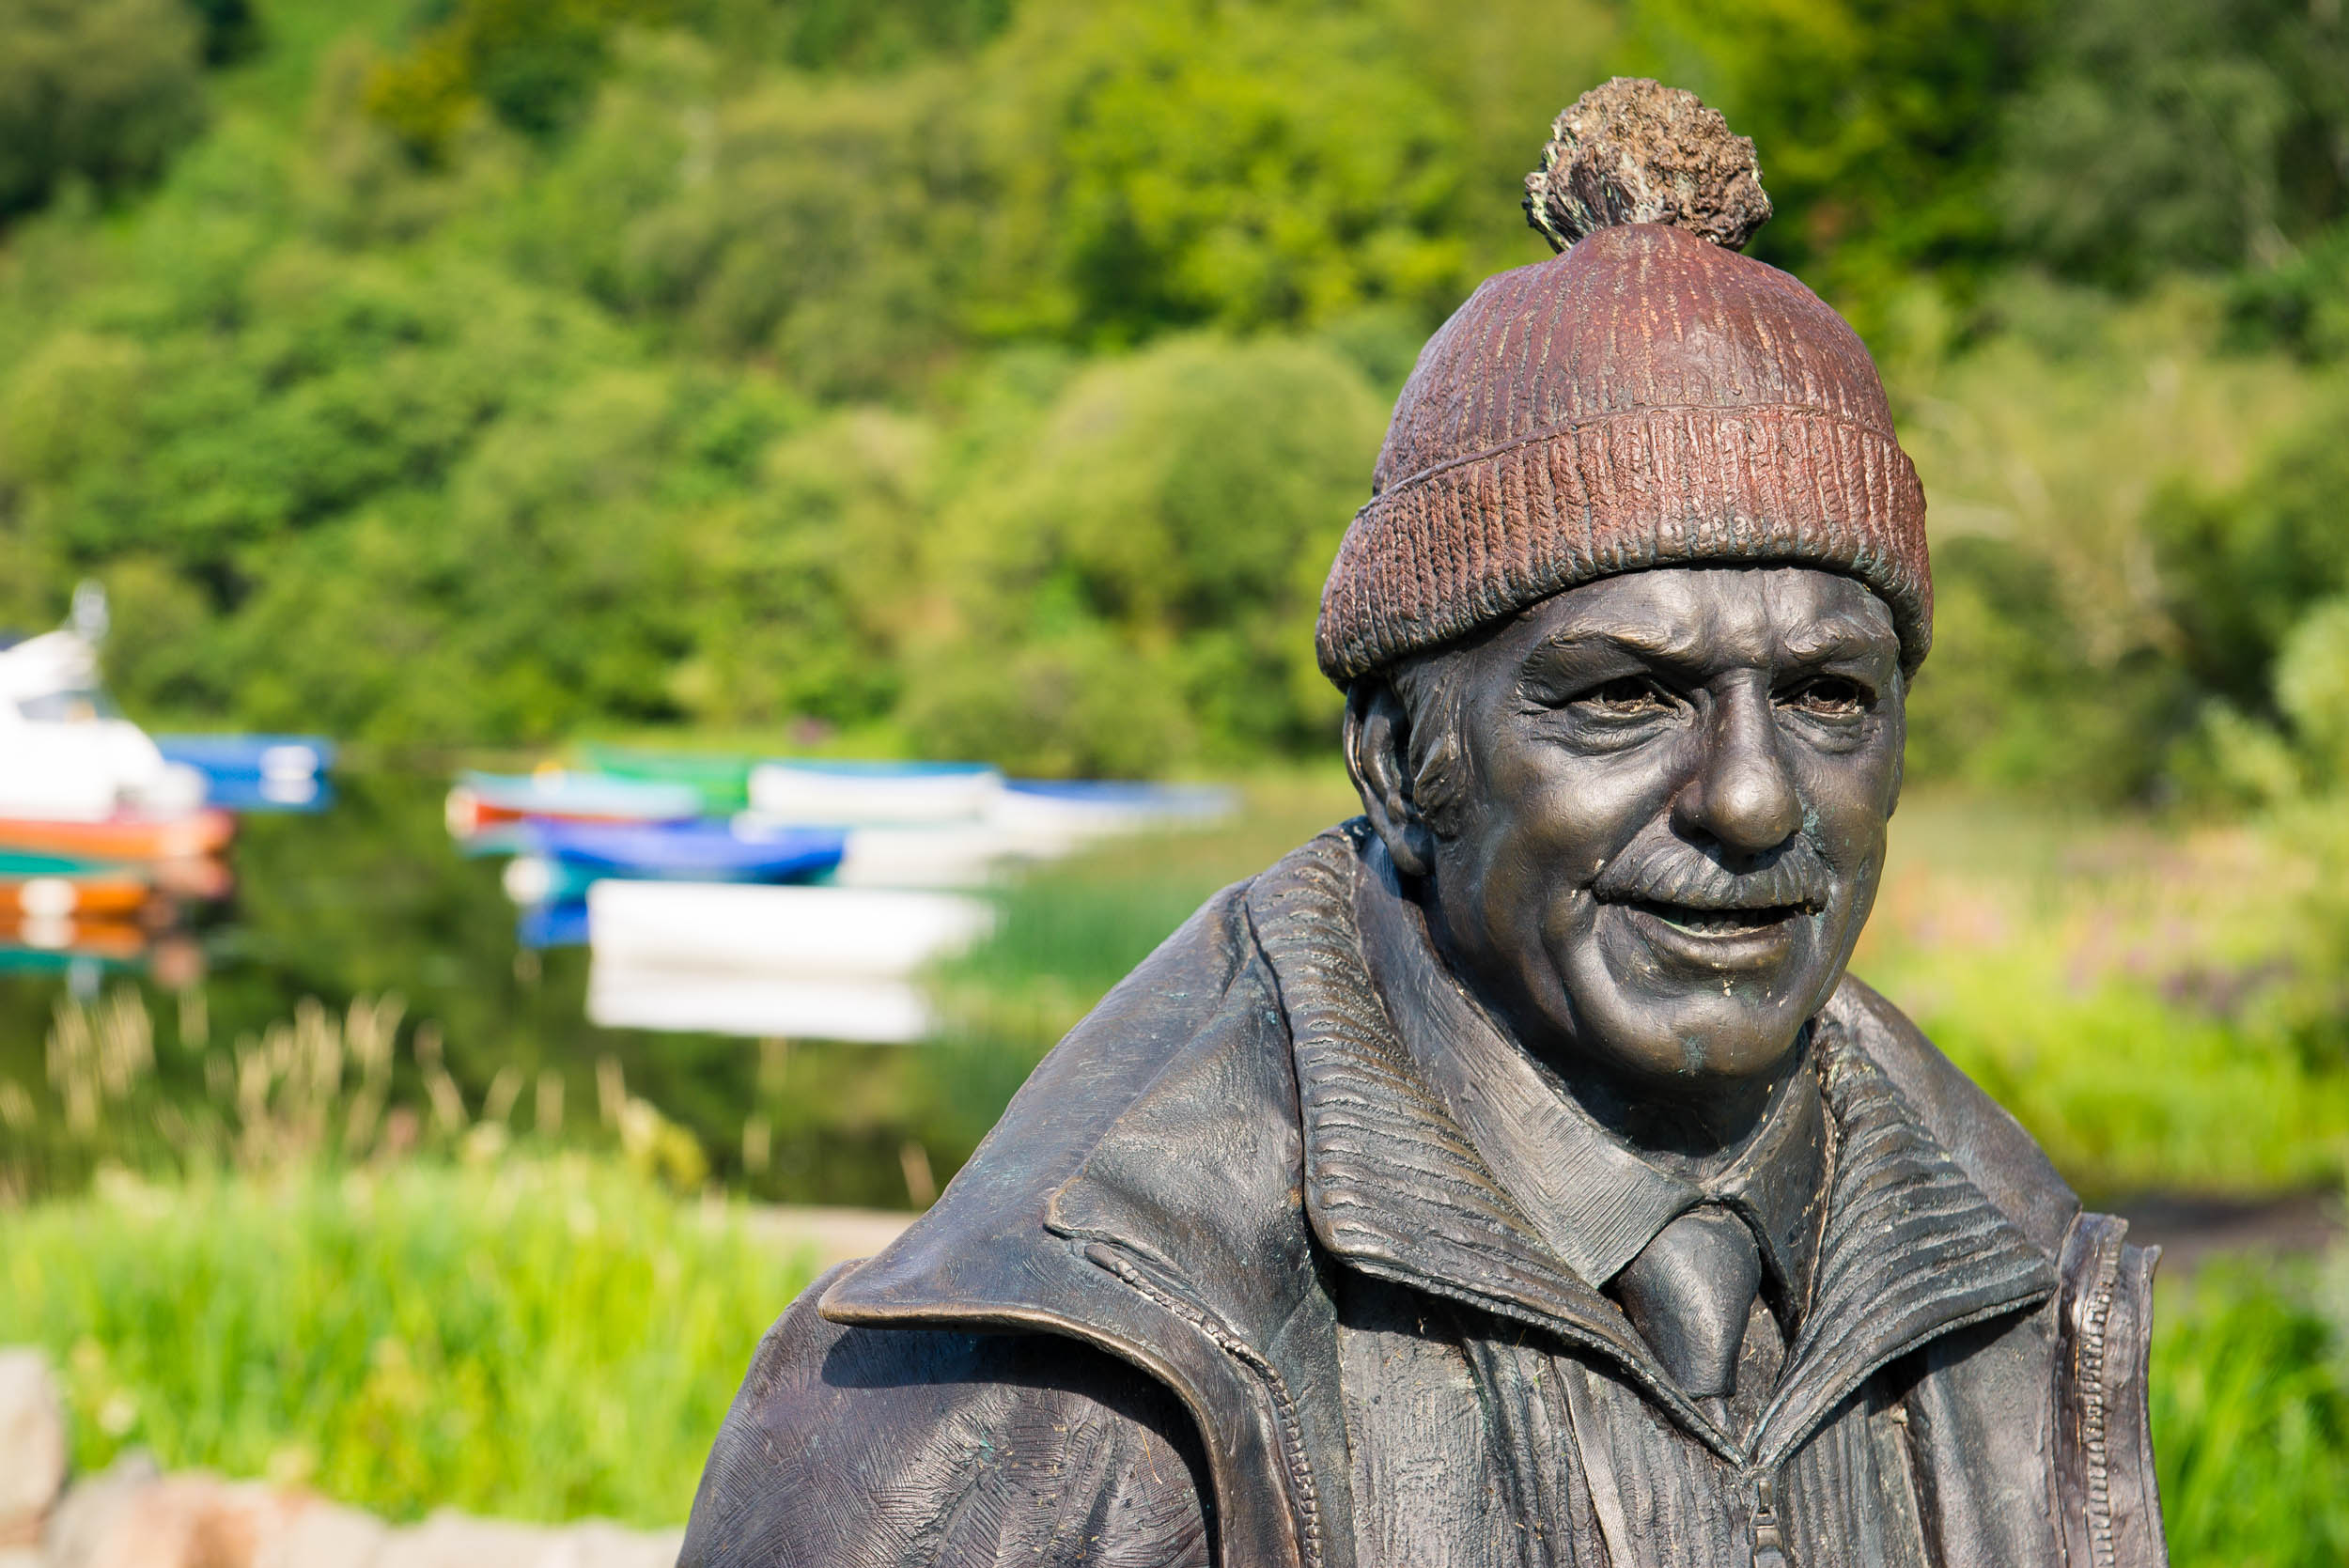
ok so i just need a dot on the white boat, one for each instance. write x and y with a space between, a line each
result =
66 751
820 933
814 794
877 1012
952 855
1042 819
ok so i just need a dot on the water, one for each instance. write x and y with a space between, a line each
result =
370 896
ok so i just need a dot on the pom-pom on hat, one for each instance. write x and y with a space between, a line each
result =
1648 398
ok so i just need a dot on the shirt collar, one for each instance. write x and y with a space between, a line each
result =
1589 1196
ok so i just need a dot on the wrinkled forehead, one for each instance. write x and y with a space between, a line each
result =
1703 618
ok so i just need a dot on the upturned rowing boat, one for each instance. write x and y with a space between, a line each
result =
126 836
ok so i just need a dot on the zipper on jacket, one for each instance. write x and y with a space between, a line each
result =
1769 1542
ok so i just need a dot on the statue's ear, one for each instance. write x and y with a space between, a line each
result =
1378 754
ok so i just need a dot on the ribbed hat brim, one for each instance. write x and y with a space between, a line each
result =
1481 537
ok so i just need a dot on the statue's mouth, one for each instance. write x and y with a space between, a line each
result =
1715 921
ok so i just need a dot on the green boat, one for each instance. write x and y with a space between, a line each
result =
24 865
724 781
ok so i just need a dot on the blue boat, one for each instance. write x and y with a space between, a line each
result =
257 772
563 924
702 851
249 756
244 793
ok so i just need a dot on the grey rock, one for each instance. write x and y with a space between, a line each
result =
32 1445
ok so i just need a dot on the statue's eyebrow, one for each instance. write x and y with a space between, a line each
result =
1835 637
1643 638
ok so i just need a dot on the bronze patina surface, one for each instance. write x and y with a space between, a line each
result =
1512 1175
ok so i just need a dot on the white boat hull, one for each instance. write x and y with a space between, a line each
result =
817 933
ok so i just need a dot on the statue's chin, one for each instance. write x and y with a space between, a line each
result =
1677 1026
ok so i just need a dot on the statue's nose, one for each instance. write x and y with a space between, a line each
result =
1740 793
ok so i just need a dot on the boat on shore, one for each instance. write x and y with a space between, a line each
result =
257 772
485 801
867 1011
126 836
812 932
813 793
65 889
722 781
44 944
699 851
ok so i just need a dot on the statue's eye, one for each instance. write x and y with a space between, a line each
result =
1630 696
1828 697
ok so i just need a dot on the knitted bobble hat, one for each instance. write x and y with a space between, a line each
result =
1647 397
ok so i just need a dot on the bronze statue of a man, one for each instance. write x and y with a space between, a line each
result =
1512 1176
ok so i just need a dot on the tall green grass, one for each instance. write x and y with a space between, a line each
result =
534 1339
2250 1408
2147 1000
553 1339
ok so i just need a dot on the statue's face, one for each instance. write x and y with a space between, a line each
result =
1670 819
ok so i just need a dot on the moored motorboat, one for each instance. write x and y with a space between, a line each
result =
66 751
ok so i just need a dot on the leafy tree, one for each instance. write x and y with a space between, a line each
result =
2240 567
2163 133
1877 121
823 226
1131 582
1244 166
99 90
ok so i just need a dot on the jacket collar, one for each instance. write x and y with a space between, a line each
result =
1911 1247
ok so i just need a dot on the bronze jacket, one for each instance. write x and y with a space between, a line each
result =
1115 1338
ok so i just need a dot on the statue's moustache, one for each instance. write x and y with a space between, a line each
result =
1667 871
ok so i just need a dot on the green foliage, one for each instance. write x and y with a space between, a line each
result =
1876 121
2243 563
1129 573
2181 133
826 225
2090 599
1236 165
532 63
96 90
2302 302
2250 1415
2158 1009
541 1339
750 363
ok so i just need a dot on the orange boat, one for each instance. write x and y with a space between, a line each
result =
113 894
25 943
122 838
